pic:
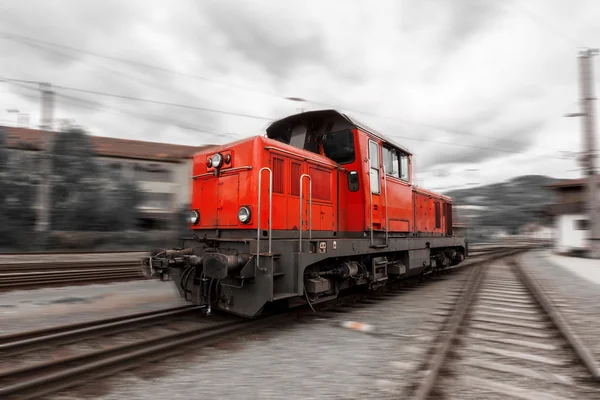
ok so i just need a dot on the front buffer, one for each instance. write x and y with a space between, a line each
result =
223 279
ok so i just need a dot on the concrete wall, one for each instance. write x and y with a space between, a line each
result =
567 236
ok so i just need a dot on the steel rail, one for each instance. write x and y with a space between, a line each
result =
461 310
52 265
33 381
26 341
451 330
558 320
457 318
13 337
22 282
65 252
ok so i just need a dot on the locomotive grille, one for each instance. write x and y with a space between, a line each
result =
296 172
321 184
278 175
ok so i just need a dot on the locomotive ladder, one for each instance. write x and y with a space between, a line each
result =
387 221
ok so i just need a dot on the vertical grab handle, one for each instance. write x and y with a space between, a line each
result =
385 194
309 209
370 202
259 207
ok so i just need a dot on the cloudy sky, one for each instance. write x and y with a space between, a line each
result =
477 89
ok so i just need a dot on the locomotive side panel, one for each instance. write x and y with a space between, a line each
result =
217 195
430 214
387 190
295 177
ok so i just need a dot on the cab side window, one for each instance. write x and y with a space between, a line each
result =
404 167
396 163
390 162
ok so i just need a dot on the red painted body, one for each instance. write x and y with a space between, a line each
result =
334 207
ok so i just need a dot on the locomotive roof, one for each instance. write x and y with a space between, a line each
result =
329 115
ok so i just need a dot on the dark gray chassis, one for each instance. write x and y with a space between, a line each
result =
279 279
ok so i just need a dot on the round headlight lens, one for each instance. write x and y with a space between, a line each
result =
209 162
244 215
217 160
194 217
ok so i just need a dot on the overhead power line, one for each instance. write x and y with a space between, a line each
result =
50 46
29 41
151 101
94 105
544 24
494 149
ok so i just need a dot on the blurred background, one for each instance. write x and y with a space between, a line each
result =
103 104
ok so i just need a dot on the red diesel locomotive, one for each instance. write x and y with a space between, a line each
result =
319 204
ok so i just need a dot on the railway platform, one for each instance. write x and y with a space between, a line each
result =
583 267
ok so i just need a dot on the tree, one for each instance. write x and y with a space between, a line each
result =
17 196
85 195
74 199
3 152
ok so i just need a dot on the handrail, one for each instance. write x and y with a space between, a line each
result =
224 171
370 203
259 207
309 210
385 194
304 158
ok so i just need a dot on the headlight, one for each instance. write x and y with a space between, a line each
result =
244 215
194 217
209 162
217 160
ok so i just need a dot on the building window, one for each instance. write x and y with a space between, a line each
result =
157 200
582 224
152 173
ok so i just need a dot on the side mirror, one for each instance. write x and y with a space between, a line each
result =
353 181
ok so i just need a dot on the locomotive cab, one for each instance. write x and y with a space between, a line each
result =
321 204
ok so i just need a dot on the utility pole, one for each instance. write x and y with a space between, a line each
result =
44 211
589 127
47 110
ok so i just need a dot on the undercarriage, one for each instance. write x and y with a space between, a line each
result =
229 274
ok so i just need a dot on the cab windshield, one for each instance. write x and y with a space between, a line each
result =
339 146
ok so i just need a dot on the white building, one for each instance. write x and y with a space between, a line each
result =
571 224
162 170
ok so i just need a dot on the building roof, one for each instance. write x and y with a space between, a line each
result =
577 207
571 183
35 139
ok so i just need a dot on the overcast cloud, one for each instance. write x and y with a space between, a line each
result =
465 84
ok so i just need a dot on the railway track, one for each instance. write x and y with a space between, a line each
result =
44 375
505 339
39 367
35 275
